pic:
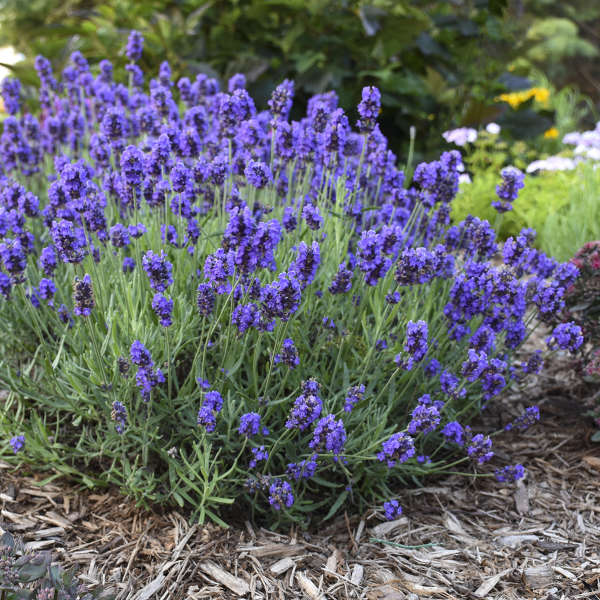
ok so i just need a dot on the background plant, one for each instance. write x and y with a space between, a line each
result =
27 576
434 62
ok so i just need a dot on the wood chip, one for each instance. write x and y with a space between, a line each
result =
308 587
565 573
39 545
281 566
235 584
522 498
273 550
453 524
55 519
151 588
332 562
489 584
538 577
41 494
17 518
357 574
514 541
423 590
359 531
46 533
388 526
592 461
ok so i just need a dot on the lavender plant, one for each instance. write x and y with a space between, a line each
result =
207 304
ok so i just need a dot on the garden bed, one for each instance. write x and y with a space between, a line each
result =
458 539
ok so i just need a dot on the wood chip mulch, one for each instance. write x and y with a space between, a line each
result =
460 538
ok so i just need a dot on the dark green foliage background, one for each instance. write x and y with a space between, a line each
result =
436 62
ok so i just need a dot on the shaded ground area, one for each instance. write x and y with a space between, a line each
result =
460 538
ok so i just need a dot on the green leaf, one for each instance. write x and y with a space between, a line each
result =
33 567
336 505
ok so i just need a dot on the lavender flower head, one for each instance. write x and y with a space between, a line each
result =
397 450
307 409
205 299
368 109
480 448
258 455
128 264
83 296
69 241
526 420
48 260
280 494
306 264
342 282
158 270
17 443
258 174
566 336
289 354
454 432
510 473
425 419
135 46
212 405
280 103
304 469
163 307
354 396
218 267
416 344
311 215
513 180
250 425
119 416
392 510
329 435
140 355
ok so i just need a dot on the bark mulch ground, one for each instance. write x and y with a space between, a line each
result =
459 538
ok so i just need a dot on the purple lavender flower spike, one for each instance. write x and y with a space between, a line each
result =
83 296
17 443
368 109
507 191
392 510
135 46
158 269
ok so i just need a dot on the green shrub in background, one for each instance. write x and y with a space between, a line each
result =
438 64
435 63
562 206
575 221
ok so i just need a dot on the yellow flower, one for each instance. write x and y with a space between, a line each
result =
551 133
2 109
540 95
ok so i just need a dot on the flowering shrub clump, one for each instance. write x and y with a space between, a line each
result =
206 303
